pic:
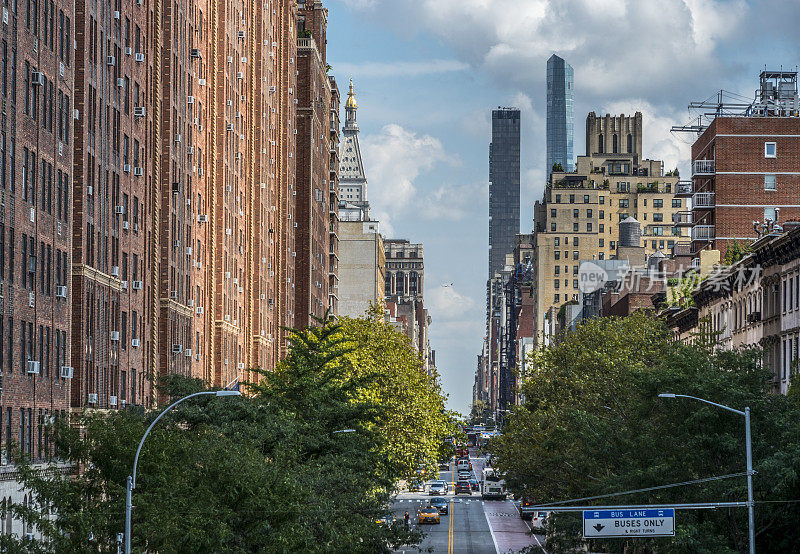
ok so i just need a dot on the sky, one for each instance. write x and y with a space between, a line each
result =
427 74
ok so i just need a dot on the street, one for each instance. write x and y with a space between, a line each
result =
473 525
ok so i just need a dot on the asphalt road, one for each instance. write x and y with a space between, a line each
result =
473 526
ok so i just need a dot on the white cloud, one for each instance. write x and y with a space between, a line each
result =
400 69
445 303
393 160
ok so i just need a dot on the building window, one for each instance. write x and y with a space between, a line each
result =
601 256
574 283
575 269
770 151
585 198
601 214
575 255
557 298
553 226
552 212
602 243
589 227
658 203
670 243
676 202
558 199
623 202
602 200
589 213
557 284
557 270
658 231
574 241
575 227
769 214
769 182
557 254
630 143
657 217
612 245
557 241
571 198
601 228
575 213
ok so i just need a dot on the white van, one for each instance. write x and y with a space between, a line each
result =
463 464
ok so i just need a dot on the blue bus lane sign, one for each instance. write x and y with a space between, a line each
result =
659 522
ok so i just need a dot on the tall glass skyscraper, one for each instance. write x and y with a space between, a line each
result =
503 186
560 107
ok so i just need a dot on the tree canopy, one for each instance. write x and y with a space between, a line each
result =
593 424
265 472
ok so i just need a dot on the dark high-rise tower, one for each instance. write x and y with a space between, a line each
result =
503 186
560 100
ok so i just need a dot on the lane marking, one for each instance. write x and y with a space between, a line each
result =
494 539
450 517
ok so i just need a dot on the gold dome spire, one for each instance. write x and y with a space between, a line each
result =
351 98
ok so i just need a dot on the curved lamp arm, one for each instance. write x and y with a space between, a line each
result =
671 395
141 442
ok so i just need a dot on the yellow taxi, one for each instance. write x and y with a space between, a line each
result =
428 514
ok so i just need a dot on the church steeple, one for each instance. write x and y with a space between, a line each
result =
350 107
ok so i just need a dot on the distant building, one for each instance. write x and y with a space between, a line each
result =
560 106
405 272
361 267
580 215
352 179
503 186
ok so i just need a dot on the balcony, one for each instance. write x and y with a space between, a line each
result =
683 189
702 167
703 232
703 200
683 219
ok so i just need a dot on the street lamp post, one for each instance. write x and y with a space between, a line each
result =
131 483
748 446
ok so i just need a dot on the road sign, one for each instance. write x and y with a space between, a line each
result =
628 523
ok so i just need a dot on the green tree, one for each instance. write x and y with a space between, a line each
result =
558 167
593 424
261 473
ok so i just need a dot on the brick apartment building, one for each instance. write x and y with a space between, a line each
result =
333 202
313 166
746 167
36 155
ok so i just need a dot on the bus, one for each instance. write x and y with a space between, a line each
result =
492 484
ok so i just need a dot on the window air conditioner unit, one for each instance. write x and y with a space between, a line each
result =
178 138
190 302
230 102
199 310
126 168
37 78
128 50
176 244
139 57
229 231
195 52
124 285
272 88
241 365
114 336
135 343
89 190
202 218
138 171
243 59
230 127
110 60
119 209
139 111
61 291
235 280
126 225
33 367
116 14
263 296
188 250
201 82
188 352
112 400
120 82
239 75
91 398
137 285
190 100
66 372
190 149
115 271
177 348
240 34
173 295
227 317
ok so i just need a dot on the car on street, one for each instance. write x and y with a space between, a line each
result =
387 520
474 484
444 466
437 487
463 464
463 487
441 504
539 521
415 486
464 474
428 514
